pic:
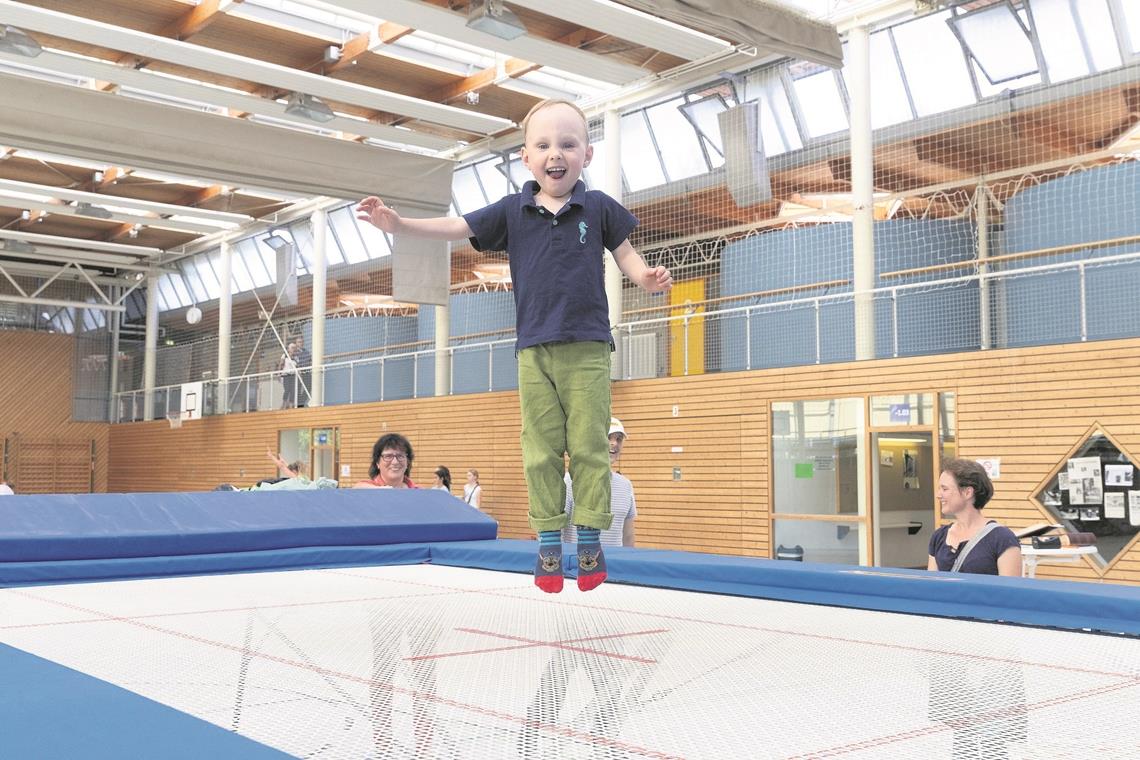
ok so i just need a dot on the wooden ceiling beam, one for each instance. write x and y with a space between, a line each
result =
118 233
513 68
200 195
196 19
186 26
111 175
385 34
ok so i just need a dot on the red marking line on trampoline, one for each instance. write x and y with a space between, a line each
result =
529 643
427 696
786 631
965 722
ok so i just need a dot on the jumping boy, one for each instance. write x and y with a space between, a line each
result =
555 233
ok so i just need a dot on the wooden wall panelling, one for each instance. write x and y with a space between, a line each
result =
36 394
1026 405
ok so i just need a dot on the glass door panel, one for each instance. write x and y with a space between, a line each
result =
903 482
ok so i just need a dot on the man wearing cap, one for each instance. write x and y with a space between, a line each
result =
622 504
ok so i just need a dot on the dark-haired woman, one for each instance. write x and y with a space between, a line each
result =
442 479
391 462
971 544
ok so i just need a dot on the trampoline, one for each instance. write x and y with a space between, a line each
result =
433 648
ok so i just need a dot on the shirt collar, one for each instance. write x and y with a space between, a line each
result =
530 188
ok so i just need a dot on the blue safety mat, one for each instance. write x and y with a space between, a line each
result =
14 574
50 712
1069 605
110 526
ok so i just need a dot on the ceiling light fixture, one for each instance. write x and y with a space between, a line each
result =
308 107
18 42
82 208
490 17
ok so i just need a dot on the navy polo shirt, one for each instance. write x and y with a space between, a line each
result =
981 560
557 267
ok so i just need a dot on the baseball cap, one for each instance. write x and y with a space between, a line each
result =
617 427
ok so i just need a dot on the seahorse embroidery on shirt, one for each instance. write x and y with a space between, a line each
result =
582 232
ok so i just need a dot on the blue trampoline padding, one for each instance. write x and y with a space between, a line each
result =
14 574
50 712
106 526
1069 605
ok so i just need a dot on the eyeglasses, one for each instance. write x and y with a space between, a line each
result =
394 457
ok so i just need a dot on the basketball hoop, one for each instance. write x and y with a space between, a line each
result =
175 419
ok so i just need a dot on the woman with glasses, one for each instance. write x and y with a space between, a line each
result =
391 462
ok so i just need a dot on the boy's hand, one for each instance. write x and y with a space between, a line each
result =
656 279
373 211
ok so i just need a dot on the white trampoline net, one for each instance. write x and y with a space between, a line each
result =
438 662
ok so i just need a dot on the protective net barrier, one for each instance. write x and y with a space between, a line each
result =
1006 208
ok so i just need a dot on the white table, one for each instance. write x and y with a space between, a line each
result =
1031 558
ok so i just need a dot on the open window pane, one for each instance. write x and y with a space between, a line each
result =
681 150
704 114
1096 22
595 173
1055 22
242 280
519 173
194 281
998 41
890 104
495 184
347 234
180 288
934 65
168 299
466 191
640 161
375 240
820 102
777 124
1131 17
206 274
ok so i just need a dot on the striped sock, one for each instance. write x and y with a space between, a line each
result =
548 568
591 561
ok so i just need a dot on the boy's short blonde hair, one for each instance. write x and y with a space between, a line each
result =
555 102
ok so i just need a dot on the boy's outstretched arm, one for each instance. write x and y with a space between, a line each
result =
373 211
653 279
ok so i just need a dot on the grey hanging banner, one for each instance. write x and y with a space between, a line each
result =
421 269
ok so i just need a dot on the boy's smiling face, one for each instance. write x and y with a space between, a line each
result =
556 149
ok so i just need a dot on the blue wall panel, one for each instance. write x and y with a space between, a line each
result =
929 321
352 335
1099 204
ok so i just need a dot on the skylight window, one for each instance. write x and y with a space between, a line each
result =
934 65
998 41
820 101
702 114
684 157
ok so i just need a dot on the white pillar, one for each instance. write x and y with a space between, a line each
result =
442 358
612 187
983 254
115 318
225 322
319 222
858 72
150 357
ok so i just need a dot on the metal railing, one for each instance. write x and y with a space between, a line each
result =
1028 305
